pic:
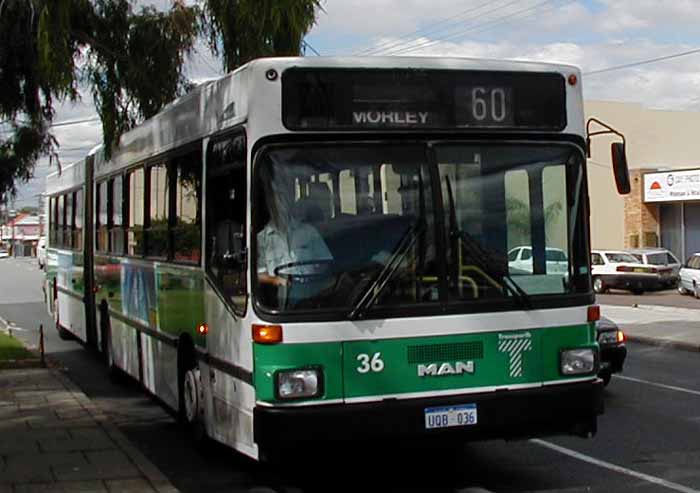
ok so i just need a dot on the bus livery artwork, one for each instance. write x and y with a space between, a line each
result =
352 249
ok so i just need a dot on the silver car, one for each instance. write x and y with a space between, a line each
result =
660 258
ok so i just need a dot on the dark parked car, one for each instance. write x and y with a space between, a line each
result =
612 348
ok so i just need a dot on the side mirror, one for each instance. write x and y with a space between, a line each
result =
619 157
620 169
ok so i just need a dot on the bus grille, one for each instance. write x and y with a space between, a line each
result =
430 353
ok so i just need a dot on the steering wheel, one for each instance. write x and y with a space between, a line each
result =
322 266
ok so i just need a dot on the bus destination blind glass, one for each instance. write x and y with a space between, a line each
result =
323 99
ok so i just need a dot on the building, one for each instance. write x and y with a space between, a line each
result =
663 208
21 234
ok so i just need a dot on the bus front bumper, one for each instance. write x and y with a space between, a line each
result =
509 414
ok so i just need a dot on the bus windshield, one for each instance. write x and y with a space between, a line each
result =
352 228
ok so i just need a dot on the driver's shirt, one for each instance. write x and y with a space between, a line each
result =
300 243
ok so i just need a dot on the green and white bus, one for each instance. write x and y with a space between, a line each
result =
314 249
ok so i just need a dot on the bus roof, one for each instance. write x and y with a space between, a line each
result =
216 105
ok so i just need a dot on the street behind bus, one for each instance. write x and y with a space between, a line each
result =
647 439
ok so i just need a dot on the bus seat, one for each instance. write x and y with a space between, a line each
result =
320 196
308 211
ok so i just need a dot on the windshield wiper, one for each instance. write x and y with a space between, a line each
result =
455 233
509 283
369 295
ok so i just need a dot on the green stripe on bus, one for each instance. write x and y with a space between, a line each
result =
425 364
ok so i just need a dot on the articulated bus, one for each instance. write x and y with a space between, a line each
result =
314 249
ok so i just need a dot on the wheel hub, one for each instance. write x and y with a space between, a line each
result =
192 395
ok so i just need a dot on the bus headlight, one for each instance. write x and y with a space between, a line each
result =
578 361
299 384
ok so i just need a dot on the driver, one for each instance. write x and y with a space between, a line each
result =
284 240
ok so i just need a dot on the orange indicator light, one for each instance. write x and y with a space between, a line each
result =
202 329
267 334
593 313
620 336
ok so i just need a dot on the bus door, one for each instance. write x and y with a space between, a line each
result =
226 268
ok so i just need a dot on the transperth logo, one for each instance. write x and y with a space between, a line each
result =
515 345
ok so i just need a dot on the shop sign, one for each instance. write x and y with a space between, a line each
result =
672 186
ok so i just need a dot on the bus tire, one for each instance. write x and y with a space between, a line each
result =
191 395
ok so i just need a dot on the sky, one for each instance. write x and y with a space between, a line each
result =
592 34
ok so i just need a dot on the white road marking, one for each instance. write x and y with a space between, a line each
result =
614 467
660 385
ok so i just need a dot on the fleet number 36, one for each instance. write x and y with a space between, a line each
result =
370 363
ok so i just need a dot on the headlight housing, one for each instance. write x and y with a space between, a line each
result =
581 361
609 337
303 383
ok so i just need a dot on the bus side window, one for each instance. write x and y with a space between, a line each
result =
78 219
116 235
135 202
60 219
187 241
226 248
68 225
157 217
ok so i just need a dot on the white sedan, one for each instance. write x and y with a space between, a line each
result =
520 260
690 277
621 270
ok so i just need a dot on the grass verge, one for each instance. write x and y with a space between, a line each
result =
12 349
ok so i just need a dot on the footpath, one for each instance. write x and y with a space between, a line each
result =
53 439
658 325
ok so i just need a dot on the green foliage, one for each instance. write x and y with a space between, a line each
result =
136 62
131 61
241 30
25 94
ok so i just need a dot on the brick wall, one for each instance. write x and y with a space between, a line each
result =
641 220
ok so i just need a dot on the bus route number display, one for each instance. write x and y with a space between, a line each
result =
486 106
401 99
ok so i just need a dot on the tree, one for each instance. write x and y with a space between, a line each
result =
132 62
241 30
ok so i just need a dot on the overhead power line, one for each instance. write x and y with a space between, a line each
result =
465 32
642 62
429 29
67 123
307 45
75 122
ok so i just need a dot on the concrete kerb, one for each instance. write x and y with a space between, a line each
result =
666 343
668 309
663 341
156 478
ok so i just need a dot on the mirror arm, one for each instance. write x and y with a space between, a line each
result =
589 134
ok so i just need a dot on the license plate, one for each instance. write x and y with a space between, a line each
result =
639 270
447 417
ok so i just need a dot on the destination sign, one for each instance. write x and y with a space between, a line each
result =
356 99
